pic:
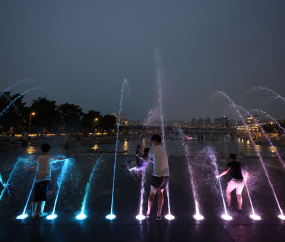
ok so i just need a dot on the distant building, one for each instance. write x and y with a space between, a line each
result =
223 122
250 119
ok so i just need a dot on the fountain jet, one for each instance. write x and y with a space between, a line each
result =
111 216
82 216
197 216
24 215
281 216
59 182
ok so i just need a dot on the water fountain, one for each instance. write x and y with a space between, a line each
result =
140 216
24 215
82 216
112 216
281 216
169 216
20 159
59 182
213 158
16 84
197 216
29 90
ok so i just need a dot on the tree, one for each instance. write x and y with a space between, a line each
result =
107 122
45 113
11 107
88 120
70 115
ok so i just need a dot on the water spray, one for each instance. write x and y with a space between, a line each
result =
169 216
213 158
24 215
63 172
281 216
112 216
141 216
17 83
15 99
253 215
82 216
7 183
197 216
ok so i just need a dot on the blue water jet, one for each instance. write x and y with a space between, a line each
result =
17 83
24 215
29 90
59 182
82 216
111 216
10 176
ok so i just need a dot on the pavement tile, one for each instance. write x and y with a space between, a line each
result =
10 232
260 233
141 233
205 232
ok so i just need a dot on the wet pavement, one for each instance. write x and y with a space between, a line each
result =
127 199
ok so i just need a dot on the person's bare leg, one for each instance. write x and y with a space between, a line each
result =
239 200
229 189
160 201
151 198
42 207
34 209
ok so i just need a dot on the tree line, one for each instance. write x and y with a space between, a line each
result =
50 116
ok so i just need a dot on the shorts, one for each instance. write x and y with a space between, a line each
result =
41 189
235 184
159 182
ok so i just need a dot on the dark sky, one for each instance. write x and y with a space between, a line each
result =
82 51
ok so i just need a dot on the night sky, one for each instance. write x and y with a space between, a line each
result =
82 50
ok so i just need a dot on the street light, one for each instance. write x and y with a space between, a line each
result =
94 122
31 120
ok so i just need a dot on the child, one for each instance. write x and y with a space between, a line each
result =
141 165
43 178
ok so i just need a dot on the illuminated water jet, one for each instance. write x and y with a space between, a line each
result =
17 83
140 216
159 83
227 217
213 158
255 217
281 216
169 217
7 183
82 216
59 182
32 89
24 215
197 216
111 216
260 158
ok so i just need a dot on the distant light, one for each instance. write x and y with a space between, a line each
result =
169 217
281 216
140 217
22 216
255 217
198 217
111 216
226 217
81 216
52 216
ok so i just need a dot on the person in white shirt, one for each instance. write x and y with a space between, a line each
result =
43 178
160 175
